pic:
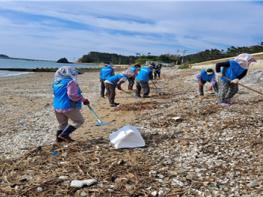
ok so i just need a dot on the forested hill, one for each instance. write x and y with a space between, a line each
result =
209 54
106 57
213 54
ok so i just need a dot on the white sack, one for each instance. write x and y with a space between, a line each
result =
127 137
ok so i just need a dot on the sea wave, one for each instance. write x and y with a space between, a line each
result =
5 73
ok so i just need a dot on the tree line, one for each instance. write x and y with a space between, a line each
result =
206 55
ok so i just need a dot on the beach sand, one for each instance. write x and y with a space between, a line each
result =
28 120
209 151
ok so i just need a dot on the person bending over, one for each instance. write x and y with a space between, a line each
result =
229 73
111 83
206 76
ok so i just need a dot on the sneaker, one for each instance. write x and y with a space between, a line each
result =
145 96
113 105
116 103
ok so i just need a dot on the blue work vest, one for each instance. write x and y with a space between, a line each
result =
114 79
144 74
233 71
106 72
206 77
61 100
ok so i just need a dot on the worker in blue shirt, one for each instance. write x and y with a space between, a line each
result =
105 72
206 76
142 81
111 83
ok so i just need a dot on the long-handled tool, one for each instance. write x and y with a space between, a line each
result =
156 88
98 121
249 88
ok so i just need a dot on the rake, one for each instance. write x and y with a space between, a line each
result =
98 121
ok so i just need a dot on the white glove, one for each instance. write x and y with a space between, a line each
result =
235 81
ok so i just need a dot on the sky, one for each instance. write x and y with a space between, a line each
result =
55 29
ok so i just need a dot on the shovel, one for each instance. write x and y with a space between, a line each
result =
98 121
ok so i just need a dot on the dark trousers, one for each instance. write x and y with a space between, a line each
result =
131 83
144 85
157 74
110 88
102 88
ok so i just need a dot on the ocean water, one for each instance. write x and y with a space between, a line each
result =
31 64
5 73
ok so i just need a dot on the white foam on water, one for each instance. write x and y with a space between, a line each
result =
5 73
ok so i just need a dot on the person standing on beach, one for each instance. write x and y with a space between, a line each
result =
105 72
142 81
229 73
111 83
132 71
156 70
67 102
206 76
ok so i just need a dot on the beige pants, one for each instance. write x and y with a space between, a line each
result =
74 115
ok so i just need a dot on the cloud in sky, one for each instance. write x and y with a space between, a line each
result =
50 30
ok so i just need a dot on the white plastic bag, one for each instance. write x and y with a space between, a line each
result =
127 137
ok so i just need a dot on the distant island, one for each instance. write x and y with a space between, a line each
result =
4 56
63 60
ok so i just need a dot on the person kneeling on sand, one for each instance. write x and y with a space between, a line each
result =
111 83
206 76
67 102
229 73
142 81
105 72
132 71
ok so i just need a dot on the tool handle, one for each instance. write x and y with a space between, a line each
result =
249 88
94 113
154 84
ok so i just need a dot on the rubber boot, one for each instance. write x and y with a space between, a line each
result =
57 138
66 132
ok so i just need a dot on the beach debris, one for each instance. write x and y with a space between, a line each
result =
82 183
63 177
127 137
213 152
177 118
39 189
83 193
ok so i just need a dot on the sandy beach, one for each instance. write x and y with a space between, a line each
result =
27 114
208 151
